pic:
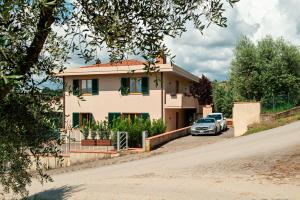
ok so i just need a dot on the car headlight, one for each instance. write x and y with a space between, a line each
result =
211 127
193 128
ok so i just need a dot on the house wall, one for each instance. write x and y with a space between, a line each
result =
170 83
207 109
170 118
169 87
111 100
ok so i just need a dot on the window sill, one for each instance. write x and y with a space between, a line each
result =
135 93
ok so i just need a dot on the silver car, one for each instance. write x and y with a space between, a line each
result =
219 118
205 126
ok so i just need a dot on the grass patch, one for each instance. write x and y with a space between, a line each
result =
278 108
258 127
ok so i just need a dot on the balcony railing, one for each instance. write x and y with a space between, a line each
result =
180 101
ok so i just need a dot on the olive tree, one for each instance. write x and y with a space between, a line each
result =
265 71
37 38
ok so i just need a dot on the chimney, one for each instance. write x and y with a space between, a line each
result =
161 58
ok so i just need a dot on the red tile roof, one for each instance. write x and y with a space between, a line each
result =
117 64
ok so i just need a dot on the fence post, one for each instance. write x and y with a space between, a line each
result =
118 141
145 135
126 140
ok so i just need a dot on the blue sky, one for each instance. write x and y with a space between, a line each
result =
211 53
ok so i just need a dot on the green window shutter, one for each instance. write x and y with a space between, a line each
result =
124 86
145 116
145 85
95 87
76 87
92 119
75 120
112 116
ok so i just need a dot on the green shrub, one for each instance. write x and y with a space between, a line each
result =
136 127
157 127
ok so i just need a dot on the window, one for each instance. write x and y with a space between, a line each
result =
135 86
80 119
85 119
85 87
131 116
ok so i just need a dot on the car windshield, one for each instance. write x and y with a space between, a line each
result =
205 120
217 117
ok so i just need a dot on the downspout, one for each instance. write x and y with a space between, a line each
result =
162 94
64 104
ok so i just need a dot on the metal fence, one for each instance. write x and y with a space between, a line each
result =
72 142
278 103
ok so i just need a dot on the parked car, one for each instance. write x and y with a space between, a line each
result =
205 126
219 118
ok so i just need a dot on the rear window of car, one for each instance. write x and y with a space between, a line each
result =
217 117
205 120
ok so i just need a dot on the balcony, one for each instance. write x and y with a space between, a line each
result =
180 101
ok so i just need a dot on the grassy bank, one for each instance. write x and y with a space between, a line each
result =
257 127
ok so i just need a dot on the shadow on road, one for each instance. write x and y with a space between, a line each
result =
64 192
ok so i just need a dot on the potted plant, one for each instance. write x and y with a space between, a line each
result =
94 131
86 132
103 133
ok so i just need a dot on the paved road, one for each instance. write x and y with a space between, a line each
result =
198 173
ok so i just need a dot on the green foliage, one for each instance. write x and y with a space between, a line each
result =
258 127
157 127
93 131
222 98
103 130
51 92
85 130
36 38
26 133
268 71
202 90
136 127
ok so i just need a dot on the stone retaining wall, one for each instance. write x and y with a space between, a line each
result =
274 116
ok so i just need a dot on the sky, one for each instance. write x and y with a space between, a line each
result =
211 53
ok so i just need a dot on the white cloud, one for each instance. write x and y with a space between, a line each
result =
212 52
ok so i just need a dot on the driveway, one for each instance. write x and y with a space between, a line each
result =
236 168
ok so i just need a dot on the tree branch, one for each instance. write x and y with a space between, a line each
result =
33 51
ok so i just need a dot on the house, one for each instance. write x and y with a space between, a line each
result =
125 89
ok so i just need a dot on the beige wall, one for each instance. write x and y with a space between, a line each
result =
170 118
244 114
207 109
111 100
170 83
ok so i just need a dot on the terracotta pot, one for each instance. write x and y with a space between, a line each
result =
88 142
103 142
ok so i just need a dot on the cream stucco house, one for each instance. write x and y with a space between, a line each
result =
124 89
